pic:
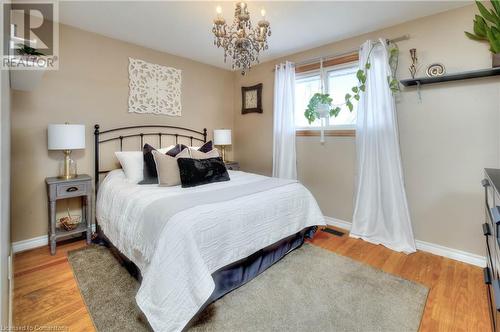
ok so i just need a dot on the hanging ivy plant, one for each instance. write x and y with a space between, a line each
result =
311 112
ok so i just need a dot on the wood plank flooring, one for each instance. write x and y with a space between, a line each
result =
45 291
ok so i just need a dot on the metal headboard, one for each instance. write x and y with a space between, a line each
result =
185 133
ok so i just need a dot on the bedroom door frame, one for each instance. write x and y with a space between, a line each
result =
6 285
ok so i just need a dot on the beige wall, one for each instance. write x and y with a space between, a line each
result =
91 86
446 140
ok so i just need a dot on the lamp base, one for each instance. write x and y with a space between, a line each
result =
67 177
67 168
223 153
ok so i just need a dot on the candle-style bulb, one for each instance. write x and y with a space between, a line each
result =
219 10
263 12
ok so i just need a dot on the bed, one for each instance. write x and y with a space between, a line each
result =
190 246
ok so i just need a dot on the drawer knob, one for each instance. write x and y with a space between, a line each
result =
71 189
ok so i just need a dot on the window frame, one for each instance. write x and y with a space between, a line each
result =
331 130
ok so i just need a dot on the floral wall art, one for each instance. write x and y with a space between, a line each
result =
154 88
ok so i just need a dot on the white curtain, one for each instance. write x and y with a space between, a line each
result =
381 213
284 158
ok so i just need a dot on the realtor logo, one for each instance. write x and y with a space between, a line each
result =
30 36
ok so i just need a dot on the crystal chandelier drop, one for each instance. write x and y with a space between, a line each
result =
240 41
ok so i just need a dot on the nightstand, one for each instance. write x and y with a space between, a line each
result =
80 186
232 165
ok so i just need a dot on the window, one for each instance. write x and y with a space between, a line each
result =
305 88
339 80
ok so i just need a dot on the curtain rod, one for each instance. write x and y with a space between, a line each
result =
317 59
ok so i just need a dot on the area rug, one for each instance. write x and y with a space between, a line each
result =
310 289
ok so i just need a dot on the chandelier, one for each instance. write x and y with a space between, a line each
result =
240 41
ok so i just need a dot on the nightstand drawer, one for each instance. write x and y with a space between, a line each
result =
70 189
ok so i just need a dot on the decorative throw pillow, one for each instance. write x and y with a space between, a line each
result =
164 150
207 147
150 175
196 154
176 150
167 168
132 164
196 172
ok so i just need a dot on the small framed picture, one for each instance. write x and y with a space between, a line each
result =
251 99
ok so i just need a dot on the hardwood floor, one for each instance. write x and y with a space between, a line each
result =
45 291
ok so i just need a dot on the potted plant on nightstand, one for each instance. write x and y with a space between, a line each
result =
487 28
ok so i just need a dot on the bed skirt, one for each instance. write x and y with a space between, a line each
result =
239 273
234 275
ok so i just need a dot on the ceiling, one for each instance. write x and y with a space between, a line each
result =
184 28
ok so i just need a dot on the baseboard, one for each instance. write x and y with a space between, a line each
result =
338 223
33 243
11 287
436 249
28 244
458 255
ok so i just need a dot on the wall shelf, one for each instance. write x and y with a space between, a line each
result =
452 77
26 80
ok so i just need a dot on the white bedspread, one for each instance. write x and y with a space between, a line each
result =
197 241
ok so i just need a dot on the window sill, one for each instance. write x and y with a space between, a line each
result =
328 132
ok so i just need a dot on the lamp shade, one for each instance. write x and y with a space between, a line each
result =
66 136
222 136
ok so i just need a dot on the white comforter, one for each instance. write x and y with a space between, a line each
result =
195 242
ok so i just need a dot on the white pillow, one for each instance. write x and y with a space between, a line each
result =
132 164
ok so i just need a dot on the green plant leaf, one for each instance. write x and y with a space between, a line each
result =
350 106
27 50
480 26
356 97
490 16
496 6
494 42
347 96
362 87
355 89
475 37
335 111
393 84
368 65
360 74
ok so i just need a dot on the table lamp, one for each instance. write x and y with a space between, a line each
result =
222 138
66 137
